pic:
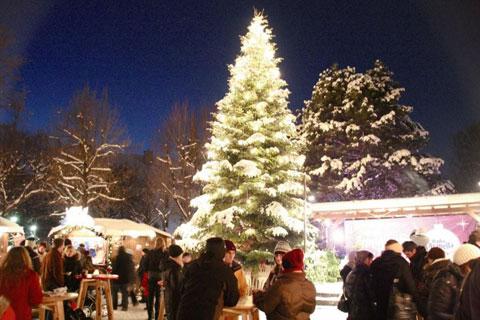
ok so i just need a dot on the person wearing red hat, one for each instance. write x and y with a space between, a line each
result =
292 296
230 252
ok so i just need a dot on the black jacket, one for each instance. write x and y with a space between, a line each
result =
469 308
208 286
385 269
444 292
417 264
154 261
72 268
36 264
142 268
359 292
173 277
429 274
345 271
124 267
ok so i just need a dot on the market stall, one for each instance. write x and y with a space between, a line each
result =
101 236
447 220
10 234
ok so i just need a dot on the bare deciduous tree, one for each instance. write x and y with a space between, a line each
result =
24 168
181 140
90 137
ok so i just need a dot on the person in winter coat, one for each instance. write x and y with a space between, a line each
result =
143 275
419 257
86 261
154 261
349 266
208 285
173 281
280 250
29 243
385 269
292 296
52 268
72 268
443 280
237 269
19 284
436 262
467 257
358 289
124 267
42 251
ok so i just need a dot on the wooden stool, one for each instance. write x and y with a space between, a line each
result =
98 284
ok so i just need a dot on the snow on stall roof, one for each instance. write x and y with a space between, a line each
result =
9 226
457 203
120 227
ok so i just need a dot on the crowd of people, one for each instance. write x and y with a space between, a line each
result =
407 282
193 288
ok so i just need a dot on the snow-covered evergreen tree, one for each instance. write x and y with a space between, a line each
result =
361 142
253 179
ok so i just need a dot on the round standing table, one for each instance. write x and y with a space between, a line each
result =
99 282
55 304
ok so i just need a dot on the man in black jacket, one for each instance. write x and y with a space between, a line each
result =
358 288
208 285
154 262
173 279
389 266
124 267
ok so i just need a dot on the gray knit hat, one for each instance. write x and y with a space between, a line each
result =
419 237
282 246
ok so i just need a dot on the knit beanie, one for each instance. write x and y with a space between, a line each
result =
174 251
293 261
230 246
419 237
395 247
465 253
282 246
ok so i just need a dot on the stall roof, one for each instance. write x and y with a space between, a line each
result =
464 203
120 227
9 226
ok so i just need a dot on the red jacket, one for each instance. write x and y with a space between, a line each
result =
23 295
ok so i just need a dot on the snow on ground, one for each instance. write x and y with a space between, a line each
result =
138 313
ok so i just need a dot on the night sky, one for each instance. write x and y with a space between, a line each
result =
151 54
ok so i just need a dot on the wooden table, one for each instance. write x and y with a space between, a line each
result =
99 282
244 308
55 304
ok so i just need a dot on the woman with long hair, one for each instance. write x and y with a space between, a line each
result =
19 283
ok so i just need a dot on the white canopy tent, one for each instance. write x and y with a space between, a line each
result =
7 226
119 228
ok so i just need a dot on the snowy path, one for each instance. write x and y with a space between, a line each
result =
321 313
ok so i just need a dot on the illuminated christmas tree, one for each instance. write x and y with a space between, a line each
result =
253 179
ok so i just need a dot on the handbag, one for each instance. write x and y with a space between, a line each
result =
343 304
401 305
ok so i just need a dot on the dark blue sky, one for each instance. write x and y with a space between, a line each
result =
151 54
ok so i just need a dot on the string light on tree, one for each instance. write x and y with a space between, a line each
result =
253 180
